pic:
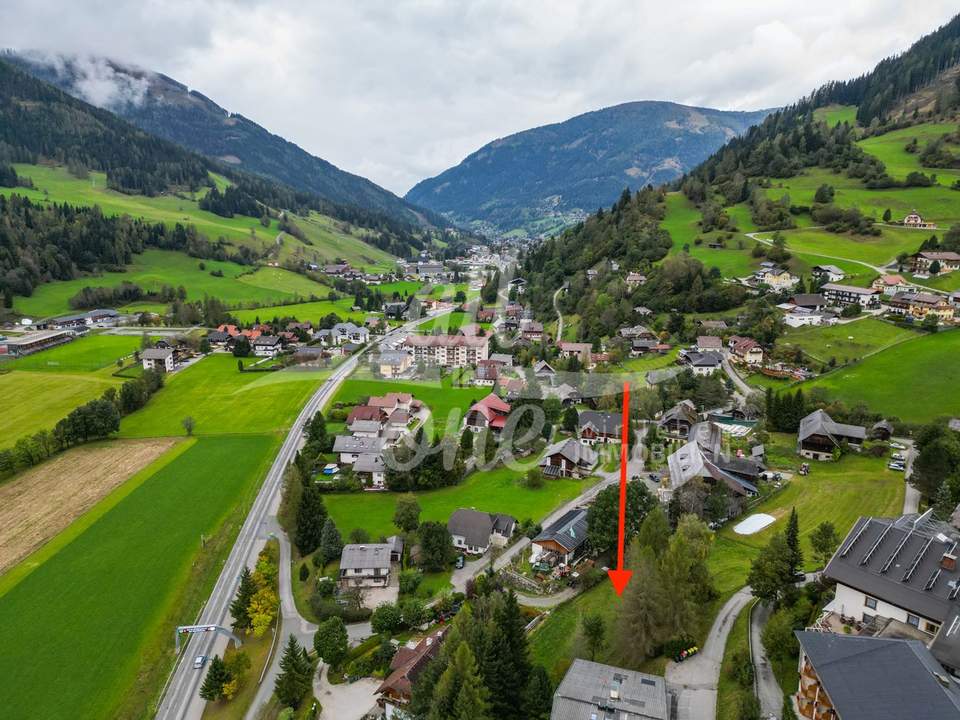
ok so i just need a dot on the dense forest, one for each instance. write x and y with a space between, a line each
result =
41 243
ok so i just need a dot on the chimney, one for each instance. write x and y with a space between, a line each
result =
948 562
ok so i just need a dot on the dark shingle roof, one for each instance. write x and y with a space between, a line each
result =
869 678
570 531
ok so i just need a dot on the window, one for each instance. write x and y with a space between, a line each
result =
867 617
930 627
870 602
913 620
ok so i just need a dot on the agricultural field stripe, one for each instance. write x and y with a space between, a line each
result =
18 572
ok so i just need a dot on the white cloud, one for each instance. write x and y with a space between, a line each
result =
399 90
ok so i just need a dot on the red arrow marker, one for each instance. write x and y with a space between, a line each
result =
621 577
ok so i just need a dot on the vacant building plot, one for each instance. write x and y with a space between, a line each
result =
41 502
97 615
916 381
844 343
222 400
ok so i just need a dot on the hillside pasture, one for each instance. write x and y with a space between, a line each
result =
916 381
681 222
846 342
304 312
873 250
223 400
890 149
833 114
115 590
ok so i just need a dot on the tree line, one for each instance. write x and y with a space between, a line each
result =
93 420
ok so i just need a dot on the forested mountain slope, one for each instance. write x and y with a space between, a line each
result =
168 109
543 179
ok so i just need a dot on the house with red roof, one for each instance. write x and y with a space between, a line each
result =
491 412
396 691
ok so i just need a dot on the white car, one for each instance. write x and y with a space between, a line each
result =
898 457
199 661
898 446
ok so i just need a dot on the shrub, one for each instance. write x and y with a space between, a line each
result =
409 581
304 572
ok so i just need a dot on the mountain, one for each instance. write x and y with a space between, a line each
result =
168 109
543 179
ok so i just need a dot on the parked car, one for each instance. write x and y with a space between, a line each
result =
199 661
459 562
898 457
899 467
898 446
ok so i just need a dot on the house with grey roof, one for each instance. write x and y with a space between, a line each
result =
369 467
474 531
598 427
819 436
350 448
568 458
563 541
158 359
594 691
679 419
366 565
905 569
691 461
850 677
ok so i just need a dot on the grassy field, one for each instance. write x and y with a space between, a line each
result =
116 590
915 381
681 222
305 311
90 352
889 148
845 342
440 398
222 400
39 399
878 250
839 492
493 491
833 114
156 268
333 239
645 364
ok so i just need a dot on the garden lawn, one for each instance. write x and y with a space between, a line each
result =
222 400
650 361
106 602
38 400
442 399
86 353
836 491
916 381
846 342
496 490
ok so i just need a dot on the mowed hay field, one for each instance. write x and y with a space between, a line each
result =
38 400
916 380
87 353
96 618
222 400
39 503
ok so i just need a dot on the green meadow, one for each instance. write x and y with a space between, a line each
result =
37 400
240 285
890 148
222 400
681 222
101 610
496 490
873 250
305 311
916 380
833 114
87 353
846 342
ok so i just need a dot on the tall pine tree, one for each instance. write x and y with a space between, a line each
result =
795 558
240 607
311 517
217 677
331 544
295 674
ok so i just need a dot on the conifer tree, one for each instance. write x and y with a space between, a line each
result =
217 677
240 607
331 544
311 517
795 558
295 674
538 696
639 629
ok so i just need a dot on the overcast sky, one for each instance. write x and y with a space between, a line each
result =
399 90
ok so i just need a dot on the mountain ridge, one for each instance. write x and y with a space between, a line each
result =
544 178
170 109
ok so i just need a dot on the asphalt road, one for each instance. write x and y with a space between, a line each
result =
181 699
766 686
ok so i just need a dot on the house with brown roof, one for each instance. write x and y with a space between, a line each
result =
396 691
923 260
576 349
746 350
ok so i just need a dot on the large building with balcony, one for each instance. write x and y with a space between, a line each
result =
448 350
846 677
